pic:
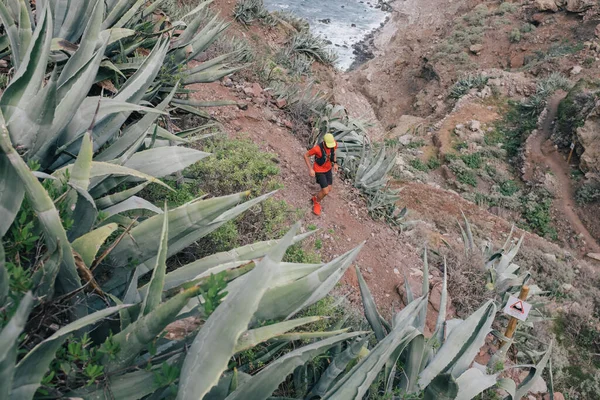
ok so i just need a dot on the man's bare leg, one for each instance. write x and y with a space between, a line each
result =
322 193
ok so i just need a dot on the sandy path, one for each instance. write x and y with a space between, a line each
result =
544 152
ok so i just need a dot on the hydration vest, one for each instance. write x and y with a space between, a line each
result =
323 159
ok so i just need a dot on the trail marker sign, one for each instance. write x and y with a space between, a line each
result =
517 308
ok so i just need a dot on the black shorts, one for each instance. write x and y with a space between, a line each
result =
324 179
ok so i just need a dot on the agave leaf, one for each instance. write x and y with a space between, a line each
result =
44 278
441 319
337 367
355 383
87 246
470 242
461 346
242 254
409 293
443 387
48 216
87 44
154 295
262 385
164 161
507 258
102 169
534 374
134 132
215 343
116 198
422 320
80 172
210 75
253 337
412 366
3 278
133 91
193 232
9 337
227 384
27 81
371 312
140 333
11 194
32 368
473 382
129 14
130 386
285 300
132 203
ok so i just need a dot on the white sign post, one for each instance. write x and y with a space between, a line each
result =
516 308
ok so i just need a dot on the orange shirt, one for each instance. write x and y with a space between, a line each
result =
316 151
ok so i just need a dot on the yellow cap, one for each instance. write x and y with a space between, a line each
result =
329 141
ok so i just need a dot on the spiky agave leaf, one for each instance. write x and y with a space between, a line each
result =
262 385
370 308
9 341
215 343
32 368
48 216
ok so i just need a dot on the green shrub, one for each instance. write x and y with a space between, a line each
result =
434 163
419 165
296 254
514 36
467 177
526 28
588 192
508 188
235 165
477 16
506 8
536 213
472 161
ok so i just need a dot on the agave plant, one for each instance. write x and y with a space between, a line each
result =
439 367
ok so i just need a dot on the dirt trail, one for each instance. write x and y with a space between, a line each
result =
344 222
543 152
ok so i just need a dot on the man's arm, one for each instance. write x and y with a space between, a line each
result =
311 171
335 164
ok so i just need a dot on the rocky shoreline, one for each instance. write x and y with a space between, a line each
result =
365 49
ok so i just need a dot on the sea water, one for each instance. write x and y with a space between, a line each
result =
347 21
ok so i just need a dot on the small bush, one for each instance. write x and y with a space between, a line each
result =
514 36
536 213
419 165
506 8
472 161
467 177
433 163
526 28
508 188
588 193
477 16
235 165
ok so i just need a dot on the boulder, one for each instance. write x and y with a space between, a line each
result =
588 137
597 31
576 70
546 5
594 256
557 396
405 140
474 125
476 48
578 6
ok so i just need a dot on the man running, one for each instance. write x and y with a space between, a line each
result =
324 165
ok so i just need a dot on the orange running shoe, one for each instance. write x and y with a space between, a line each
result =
316 208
